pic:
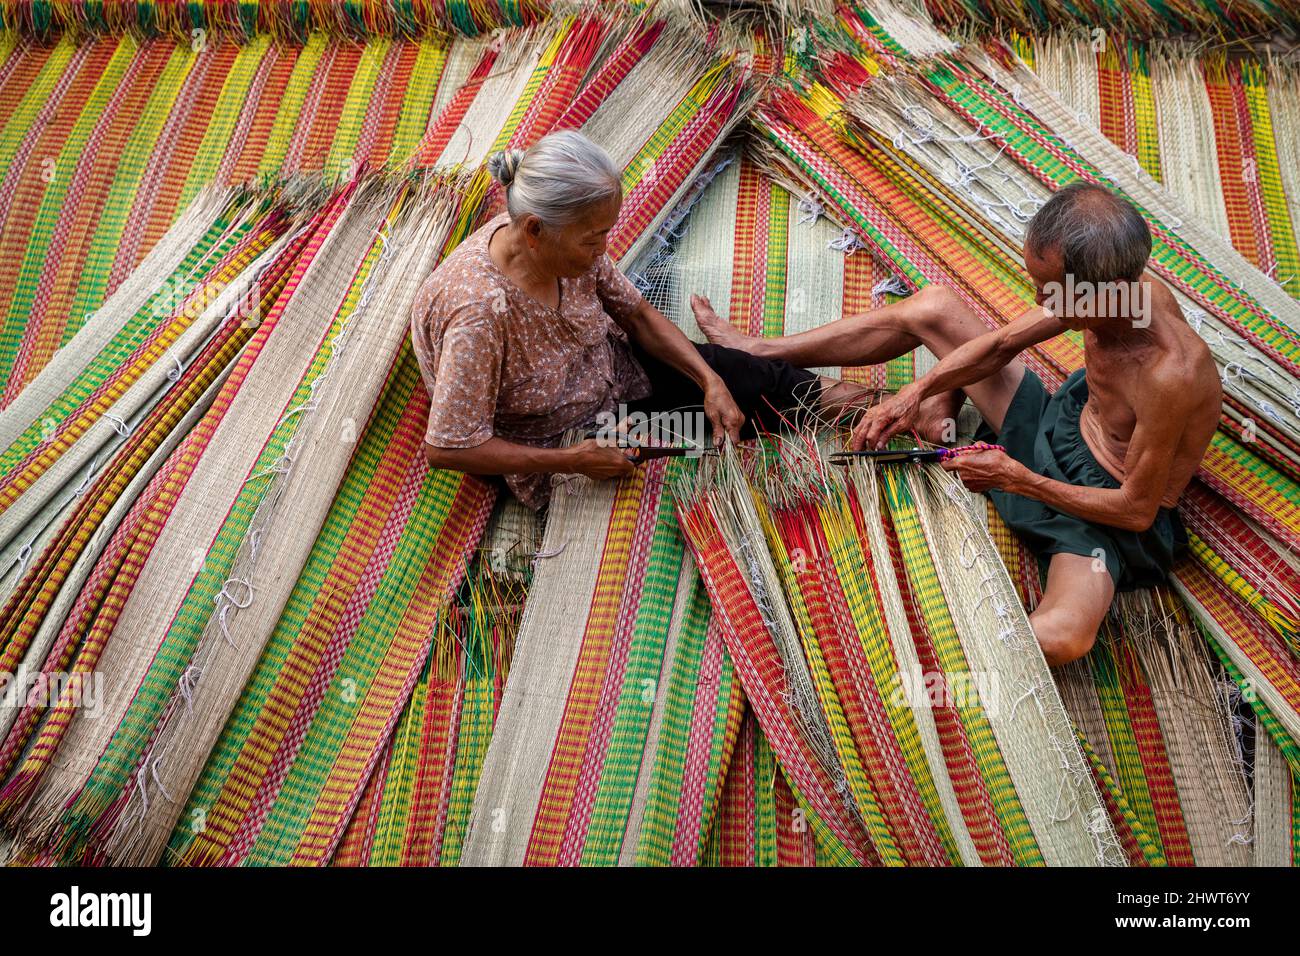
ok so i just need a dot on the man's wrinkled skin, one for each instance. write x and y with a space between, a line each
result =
1154 397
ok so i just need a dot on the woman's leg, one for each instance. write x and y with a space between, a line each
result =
770 392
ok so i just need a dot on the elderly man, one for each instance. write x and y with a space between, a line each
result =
1093 471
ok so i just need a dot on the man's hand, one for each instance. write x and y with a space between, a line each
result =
982 470
882 422
723 413
598 461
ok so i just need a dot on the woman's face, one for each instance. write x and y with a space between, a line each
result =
573 249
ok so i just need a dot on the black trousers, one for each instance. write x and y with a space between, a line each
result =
771 393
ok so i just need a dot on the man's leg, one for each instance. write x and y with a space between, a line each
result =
1075 602
935 317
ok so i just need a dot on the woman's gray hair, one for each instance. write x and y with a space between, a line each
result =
1101 236
557 179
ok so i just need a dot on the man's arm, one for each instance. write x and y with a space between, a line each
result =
965 365
979 358
1164 406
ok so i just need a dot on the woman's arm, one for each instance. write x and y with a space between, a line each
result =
496 456
650 329
462 406
657 335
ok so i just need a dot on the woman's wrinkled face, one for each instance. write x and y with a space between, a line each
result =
573 249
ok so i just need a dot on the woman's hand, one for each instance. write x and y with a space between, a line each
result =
982 470
599 462
724 415
882 422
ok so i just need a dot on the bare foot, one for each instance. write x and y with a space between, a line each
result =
936 419
716 329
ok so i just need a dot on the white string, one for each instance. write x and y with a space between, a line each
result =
119 426
847 243
975 551
1035 687
224 593
144 797
187 684
554 552
1268 409
928 131
894 285
156 763
966 173
87 478
810 210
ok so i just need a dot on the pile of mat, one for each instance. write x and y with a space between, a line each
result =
283 20
150 354
1150 703
247 623
1218 131
909 707
1248 19
106 139
293 686
416 806
937 158
105 142
768 261
622 710
170 655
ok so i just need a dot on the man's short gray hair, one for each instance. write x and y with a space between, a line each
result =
557 179
1101 236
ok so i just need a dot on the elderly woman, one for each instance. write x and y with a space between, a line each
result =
528 329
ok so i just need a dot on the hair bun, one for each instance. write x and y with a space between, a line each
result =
504 165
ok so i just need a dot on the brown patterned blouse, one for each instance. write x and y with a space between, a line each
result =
497 362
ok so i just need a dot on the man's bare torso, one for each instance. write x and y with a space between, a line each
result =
1121 370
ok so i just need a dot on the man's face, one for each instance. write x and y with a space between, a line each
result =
1050 288
573 249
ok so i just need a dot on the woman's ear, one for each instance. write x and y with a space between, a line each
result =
533 230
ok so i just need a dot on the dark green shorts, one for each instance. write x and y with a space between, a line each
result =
1041 431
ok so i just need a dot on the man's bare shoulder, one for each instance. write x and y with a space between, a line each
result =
1181 378
1187 369
1185 352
